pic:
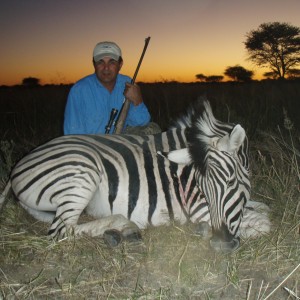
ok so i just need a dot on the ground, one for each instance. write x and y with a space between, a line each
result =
171 263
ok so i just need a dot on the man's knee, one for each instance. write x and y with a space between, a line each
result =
151 128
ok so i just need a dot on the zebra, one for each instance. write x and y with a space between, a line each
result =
197 171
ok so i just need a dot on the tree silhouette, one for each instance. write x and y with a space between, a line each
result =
293 73
270 75
201 77
214 78
274 45
238 73
30 81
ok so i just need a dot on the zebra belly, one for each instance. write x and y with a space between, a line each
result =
99 206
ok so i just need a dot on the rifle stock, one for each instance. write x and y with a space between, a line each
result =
126 103
122 117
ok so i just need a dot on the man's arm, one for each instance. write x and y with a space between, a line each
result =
133 93
73 115
138 114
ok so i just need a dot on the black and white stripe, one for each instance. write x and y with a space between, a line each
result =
193 172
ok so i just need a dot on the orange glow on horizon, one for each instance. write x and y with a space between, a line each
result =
147 73
54 41
146 78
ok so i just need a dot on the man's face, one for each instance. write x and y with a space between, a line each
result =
107 70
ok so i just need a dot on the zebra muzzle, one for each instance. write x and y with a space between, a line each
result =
224 246
224 241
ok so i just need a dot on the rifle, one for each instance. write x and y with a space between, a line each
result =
126 103
113 114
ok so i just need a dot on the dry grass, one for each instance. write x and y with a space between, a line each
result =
172 262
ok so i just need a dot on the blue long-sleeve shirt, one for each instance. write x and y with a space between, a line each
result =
89 106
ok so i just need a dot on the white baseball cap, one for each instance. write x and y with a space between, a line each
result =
109 49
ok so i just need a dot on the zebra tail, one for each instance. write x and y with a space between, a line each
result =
5 193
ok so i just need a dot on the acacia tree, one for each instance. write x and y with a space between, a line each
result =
201 77
274 45
31 81
294 73
238 73
214 78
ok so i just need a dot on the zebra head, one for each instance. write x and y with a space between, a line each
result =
219 154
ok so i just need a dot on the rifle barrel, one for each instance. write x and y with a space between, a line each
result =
125 106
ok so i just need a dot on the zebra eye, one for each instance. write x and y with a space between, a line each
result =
230 182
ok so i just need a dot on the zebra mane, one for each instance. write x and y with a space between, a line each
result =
199 116
202 131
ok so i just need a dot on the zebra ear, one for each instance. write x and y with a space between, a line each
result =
181 156
231 143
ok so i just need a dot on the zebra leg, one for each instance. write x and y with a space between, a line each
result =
38 214
114 229
67 215
255 205
66 222
256 220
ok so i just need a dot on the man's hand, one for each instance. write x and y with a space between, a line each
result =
133 93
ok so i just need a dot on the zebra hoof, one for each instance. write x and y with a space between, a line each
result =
225 247
132 234
112 238
133 237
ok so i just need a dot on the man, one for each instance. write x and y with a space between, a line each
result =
92 98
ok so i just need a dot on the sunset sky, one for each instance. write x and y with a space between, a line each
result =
54 40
